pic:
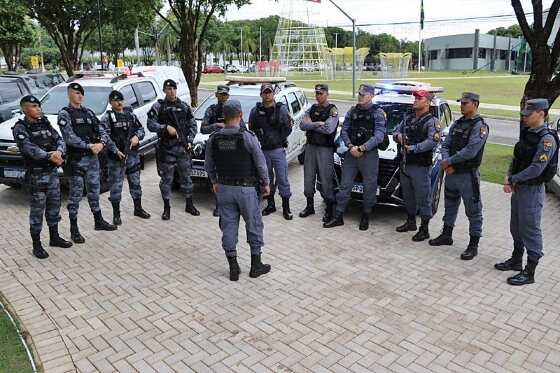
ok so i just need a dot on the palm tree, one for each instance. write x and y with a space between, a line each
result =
249 45
224 48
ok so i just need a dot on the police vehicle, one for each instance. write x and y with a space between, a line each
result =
247 91
139 92
396 100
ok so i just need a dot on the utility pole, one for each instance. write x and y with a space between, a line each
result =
260 43
41 50
353 48
99 27
336 39
241 48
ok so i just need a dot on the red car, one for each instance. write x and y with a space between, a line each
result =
214 69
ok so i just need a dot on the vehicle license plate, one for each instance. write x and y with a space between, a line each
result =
198 173
15 173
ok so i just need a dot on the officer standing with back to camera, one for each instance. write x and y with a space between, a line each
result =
461 154
85 139
418 135
363 131
173 121
320 123
214 119
272 124
234 161
42 150
125 132
535 160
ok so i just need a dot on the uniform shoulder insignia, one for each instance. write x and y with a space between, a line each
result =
334 112
543 158
437 125
62 122
483 132
383 113
436 136
547 144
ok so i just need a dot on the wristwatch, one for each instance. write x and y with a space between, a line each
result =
360 149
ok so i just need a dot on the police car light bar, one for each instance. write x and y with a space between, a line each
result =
407 89
232 79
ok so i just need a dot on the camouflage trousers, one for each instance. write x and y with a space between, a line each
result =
86 175
184 162
44 197
117 170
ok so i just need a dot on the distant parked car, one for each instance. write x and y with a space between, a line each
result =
213 69
12 89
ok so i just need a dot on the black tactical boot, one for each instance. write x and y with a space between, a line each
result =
286 208
409 225
138 210
56 240
166 210
116 213
270 207
472 249
101 224
423 233
309 209
189 207
75 232
234 269
526 276
364 222
445 238
515 263
38 250
329 211
336 220
215 212
257 267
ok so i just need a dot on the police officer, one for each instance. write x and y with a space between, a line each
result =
125 132
173 121
214 119
234 161
85 139
461 156
42 150
272 124
362 131
320 122
535 159
418 137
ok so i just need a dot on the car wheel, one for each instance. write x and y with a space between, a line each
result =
436 193
301 156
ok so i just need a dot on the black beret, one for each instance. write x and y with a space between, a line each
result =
77 87
31 99
169 83
116 95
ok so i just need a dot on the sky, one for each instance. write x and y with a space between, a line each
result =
393 11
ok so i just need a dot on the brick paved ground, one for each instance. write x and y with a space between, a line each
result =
154 295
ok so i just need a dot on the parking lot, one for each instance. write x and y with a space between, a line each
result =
155 296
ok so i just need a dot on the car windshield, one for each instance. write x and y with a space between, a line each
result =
396 111
247 104
95 99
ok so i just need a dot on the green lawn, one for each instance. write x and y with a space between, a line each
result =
495 162
13 358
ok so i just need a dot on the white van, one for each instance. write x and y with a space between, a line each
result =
162 73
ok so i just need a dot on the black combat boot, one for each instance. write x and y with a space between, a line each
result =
215 212
336 220
309 209
526 276
364 222
409 224
329 211
56 240
101 224
286 208
234 269
445 238
38 250
270 207
189 207
116 213
472 249
166 210
138 210
75 232
257 267
423 233
515 263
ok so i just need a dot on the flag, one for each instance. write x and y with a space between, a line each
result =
421 14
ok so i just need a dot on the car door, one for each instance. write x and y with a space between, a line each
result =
294 140
145 95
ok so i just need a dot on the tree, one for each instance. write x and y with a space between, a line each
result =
192 18
544 58
513 31
16 31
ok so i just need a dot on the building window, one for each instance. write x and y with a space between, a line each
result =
482 53
458 53
433 55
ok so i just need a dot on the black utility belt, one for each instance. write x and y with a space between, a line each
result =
245 183
40 170
530 182
79 152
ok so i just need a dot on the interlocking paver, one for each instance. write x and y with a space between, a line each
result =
154 295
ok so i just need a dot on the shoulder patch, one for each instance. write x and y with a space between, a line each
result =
383 113
437 125
547 144
21 136
436 136
483 132
543 158
334 112
62 122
